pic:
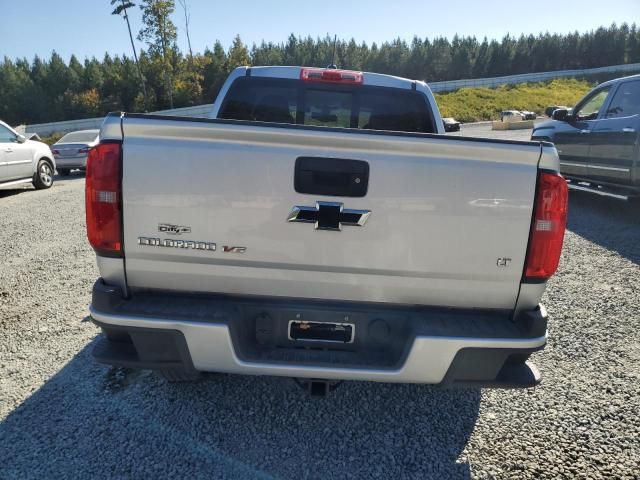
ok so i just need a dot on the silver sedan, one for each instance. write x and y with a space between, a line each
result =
71 150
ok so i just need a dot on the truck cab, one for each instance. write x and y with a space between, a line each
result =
328 98
598 141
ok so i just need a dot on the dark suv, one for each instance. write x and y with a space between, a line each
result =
598 140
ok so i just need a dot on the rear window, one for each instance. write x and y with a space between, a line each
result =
345 106
79 137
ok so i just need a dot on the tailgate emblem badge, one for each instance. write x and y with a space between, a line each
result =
227 249
329 216
173 229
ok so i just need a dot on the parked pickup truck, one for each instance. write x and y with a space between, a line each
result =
322 227
598 140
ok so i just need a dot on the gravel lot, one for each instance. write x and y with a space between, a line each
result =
63 416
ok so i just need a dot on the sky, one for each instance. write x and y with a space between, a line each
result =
86 28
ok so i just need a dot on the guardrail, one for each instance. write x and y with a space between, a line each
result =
451 85
44 129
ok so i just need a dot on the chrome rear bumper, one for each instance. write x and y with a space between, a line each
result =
71 162
210 334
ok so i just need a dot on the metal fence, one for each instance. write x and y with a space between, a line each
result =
44 129
451 85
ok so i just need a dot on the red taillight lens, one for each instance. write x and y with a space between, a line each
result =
103 199
84 150
547 229
55 152
330 75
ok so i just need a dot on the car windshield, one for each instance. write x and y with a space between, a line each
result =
79 137
292 101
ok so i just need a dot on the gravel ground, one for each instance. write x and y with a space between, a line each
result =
63 416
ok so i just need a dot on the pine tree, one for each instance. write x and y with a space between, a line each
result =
121 9
161 35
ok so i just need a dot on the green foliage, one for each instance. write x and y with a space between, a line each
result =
160 34
473 104
121 9
46 90
121 6
158 30
188 89
85 104
53 138
238 54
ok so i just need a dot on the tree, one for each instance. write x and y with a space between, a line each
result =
76 74
461 52
160 34
214 71
441 58
84 105
187 19
266 54
238 54
121 9
633 45
47 90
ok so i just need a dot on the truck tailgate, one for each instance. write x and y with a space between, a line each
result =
448 225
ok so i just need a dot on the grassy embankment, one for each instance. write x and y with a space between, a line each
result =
474 104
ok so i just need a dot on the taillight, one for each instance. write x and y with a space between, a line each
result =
547 228
103 199
55 152
84 150
331 75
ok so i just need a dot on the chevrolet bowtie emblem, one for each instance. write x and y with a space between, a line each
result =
329 216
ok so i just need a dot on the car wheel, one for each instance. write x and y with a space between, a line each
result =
63 172
43 178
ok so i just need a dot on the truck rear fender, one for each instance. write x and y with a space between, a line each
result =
112 270
530 293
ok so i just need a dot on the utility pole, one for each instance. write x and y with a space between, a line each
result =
122 9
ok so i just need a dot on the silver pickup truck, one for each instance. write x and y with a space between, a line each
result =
322 227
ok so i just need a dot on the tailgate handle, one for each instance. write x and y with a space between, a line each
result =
337 177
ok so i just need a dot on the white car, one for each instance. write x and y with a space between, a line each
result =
24 161
512 116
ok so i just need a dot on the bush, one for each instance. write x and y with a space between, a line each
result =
474 104
53 138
